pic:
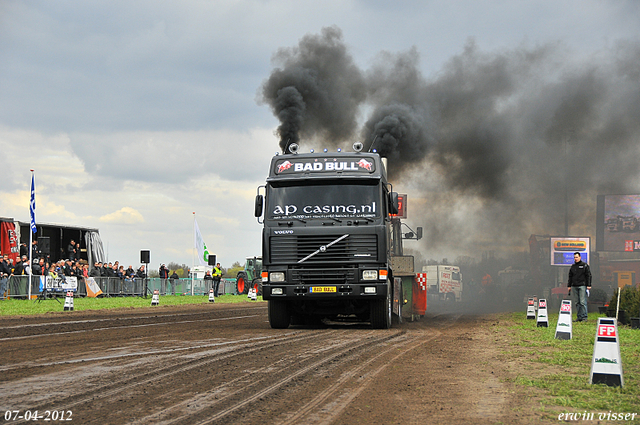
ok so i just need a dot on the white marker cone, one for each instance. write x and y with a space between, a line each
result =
564 329
543 319
606 364
68 301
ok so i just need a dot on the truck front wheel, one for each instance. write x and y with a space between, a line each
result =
381 312
278 312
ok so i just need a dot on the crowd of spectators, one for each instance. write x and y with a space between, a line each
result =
72 265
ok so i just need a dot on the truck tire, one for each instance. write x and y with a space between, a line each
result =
257 285
381 312
278 312
242 286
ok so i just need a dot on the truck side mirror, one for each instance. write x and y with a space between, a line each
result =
394 203
419 231
258 206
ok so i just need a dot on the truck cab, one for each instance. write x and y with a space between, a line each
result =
325 238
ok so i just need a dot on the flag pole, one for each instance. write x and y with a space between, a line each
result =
193 255
32 217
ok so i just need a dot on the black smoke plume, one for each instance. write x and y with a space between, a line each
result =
316 90
490 146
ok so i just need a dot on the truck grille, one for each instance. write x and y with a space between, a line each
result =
322 276
290 249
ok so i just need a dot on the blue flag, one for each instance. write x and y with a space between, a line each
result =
32 206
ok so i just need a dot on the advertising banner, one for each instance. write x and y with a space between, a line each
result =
59 284
9 240
563 248
618 223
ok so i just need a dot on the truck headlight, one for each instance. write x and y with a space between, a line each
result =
276 276
276 291
369 275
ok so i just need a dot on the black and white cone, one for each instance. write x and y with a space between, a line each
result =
531 309
564 329
543 319
155 299
212 299
606 364
68 301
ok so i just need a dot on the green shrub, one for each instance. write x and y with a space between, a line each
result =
629 301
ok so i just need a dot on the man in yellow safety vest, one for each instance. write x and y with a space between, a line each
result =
217 274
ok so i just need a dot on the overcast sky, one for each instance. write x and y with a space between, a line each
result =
135 114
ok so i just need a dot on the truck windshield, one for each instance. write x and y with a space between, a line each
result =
321 201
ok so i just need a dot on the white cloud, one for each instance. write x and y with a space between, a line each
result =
125 215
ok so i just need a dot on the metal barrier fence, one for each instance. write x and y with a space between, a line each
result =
18 286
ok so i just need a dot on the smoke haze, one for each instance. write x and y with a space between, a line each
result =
488 147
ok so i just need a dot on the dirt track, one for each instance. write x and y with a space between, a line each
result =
223 364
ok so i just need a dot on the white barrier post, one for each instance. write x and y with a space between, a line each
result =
212 299
155 299
543 319
68 301
564 329
606 364
531 310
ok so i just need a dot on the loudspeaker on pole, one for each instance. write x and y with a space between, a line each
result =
211 260
145 257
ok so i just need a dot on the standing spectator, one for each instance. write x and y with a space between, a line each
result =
72 250
52 272
217 275
130 272
580 282
25 265
141 273
18 268
24 251
68 268
5 272
208 280
35 252
37 267
173 279
164 275
95 271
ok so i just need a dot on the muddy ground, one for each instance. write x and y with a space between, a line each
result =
215 363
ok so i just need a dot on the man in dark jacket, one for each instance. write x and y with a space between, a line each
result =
5 272
580 282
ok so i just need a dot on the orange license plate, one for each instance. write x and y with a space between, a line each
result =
322 289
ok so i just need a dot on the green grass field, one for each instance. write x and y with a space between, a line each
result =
556 373
19 307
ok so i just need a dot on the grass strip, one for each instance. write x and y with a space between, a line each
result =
557 372
21 307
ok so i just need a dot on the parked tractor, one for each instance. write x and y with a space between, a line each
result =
250 277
